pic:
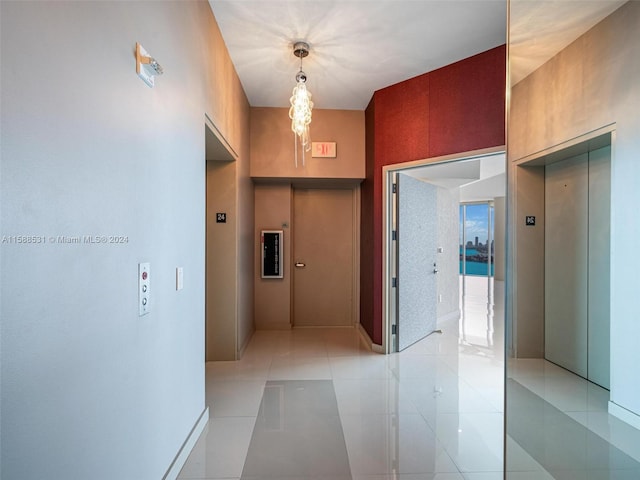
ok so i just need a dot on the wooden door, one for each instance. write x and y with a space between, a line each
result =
323 257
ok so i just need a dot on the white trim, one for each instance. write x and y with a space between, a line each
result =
364 336
187 446
386 260
625 415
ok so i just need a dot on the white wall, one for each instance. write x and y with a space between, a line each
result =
589 85
89 388
449 260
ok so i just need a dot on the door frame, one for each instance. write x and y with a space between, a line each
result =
524 288
389 267
526 312
221 313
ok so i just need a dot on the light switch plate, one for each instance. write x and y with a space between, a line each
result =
179 278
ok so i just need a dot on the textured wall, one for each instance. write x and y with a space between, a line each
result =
454 109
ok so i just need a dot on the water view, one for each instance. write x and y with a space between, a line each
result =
477 266
476 230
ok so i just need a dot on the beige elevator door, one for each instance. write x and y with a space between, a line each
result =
577 263
323 254
566 269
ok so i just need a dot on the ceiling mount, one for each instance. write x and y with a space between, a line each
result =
301 49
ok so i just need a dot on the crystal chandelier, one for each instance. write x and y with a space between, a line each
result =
301 106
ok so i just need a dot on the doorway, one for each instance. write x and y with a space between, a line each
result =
221 330
324 239
472 178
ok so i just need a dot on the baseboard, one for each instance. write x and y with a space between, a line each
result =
625 415
246 344
274 326
368 342
455 315
187 446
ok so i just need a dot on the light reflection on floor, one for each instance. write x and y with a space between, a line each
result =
433 411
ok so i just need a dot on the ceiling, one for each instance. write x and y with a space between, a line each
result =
357 46
360 46
541 28
477 179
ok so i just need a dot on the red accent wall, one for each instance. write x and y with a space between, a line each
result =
455 109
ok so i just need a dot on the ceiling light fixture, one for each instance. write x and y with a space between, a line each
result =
301 106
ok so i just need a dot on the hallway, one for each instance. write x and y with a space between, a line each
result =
435 408
433 411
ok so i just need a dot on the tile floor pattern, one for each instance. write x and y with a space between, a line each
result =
576 437
431 412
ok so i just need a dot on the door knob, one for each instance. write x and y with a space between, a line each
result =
300 265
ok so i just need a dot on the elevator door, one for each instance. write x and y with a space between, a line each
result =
598 349
566 235
577 253
323 253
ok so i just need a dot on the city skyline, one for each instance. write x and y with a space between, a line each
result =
476 224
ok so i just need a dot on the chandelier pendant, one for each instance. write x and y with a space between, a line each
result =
301 106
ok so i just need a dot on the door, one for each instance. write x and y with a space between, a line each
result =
566 273
599 325
417 234
323 258
577 256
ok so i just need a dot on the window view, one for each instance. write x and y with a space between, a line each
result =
476 239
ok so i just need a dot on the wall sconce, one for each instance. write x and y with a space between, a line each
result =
147 67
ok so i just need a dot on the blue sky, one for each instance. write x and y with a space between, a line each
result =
476 225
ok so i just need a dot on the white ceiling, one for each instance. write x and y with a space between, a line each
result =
359 46
478 179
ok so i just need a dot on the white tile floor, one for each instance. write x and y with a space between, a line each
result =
434 411
588 431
